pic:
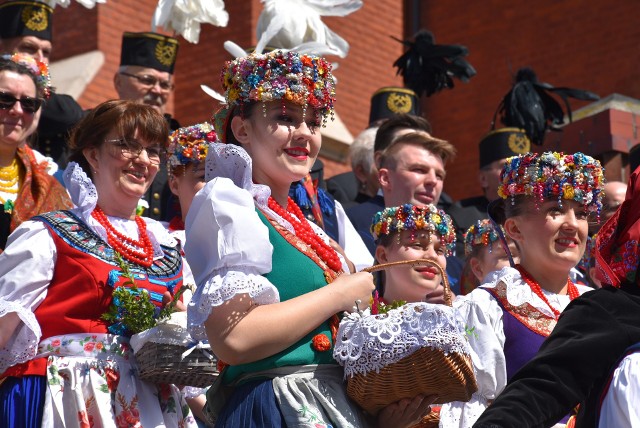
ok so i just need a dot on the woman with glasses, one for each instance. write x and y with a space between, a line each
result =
26 188
62 363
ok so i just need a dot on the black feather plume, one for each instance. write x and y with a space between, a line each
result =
427 68
530 105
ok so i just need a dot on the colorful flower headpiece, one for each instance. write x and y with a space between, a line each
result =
278 75
411 217
483 233
38 68
189 145
549 175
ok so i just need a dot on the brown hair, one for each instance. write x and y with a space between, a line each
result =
244 110
125 117
384 136
441 148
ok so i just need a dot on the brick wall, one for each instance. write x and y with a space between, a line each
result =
582 44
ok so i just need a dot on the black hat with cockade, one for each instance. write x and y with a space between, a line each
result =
391 100
25 18
150 50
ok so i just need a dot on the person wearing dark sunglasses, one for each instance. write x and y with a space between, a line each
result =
26 189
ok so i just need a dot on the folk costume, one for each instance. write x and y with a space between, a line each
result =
240 241
575 364
64 365
510 315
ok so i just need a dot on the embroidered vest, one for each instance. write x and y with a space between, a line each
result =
83 281
293 273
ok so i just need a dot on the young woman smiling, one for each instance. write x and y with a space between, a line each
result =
269 282
546 201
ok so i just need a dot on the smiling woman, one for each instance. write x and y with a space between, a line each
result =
270 285
26 189
57 278
547 200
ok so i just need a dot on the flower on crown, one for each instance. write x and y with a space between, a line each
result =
481 234
39 69
552 175
411 217
189 144
280 75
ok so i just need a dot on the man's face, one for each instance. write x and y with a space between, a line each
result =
29 45
489 177
414 175
144 85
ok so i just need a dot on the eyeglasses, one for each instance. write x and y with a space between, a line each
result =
131 149
28 104
150 81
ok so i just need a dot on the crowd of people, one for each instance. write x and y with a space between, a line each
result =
120 196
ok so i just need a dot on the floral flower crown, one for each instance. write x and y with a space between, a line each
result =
39 69
277 75
411 217
549 175
483 233
189 144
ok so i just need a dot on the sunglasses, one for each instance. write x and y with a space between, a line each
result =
28 104
150 81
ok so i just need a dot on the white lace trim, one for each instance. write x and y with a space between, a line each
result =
84 194
25 338
370 342
223 285
519 293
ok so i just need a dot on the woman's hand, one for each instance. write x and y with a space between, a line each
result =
349 289
406 412
168 298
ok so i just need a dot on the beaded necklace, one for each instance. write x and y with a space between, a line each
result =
139 252
304 231
9 177
572 290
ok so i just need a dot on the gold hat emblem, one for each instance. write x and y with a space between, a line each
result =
35 18
519 143
166 53
399 103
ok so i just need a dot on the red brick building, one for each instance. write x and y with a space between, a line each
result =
578 43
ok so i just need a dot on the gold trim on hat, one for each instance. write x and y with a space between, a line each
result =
35 18
519 143
399 103
394 89
166 52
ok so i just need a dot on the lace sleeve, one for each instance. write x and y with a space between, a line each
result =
483 321
26 269
228 249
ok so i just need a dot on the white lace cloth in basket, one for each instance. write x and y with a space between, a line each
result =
371 342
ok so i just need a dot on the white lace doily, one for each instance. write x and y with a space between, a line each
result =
172 331
370 342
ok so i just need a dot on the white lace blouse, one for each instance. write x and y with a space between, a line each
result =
483 315
227 245
28 263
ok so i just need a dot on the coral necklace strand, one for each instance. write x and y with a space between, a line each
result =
572 290
125 245
304 232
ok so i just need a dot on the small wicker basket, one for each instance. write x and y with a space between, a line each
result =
163 363
428 371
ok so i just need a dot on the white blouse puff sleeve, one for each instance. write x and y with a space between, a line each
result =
28 262
483 321
620 404
227 246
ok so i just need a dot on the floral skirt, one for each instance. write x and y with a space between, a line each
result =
92 381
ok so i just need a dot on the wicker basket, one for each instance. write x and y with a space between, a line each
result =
427 371
162 363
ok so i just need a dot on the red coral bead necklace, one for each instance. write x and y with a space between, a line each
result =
304 232
136 251
572 290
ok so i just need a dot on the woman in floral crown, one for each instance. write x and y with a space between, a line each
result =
26 188
484 252
62 362
270 285
409 232
592 356
546 202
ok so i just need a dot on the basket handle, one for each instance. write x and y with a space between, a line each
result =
417 262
